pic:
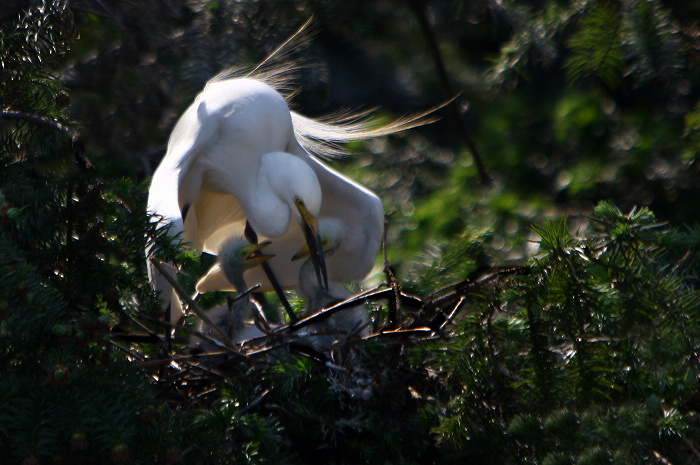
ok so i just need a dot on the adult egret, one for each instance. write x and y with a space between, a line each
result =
238 156
332 234
236 256
226 167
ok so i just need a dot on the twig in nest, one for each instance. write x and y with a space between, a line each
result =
224 352
135 321
192 305
441 320
396 304
407 300
155 362
464 287
127 351
320 315
424 332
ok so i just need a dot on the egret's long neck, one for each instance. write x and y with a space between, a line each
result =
308 284
267 214
240 306
281 179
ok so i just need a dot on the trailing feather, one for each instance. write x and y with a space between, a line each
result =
322 137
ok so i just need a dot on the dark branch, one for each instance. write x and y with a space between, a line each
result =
419 10
76 143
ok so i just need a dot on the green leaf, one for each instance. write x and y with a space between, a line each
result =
595 47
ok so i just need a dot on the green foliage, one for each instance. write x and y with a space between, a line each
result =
41 36
595 46
566 339
586 358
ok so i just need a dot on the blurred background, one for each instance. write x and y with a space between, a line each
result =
564 103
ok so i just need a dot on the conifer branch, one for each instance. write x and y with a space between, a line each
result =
76 142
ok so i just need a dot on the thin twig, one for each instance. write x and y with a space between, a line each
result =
139 324
198 334
191 304
462 287
424 331
394 305
124 349
319 316
692 447
453 313
76 143
419 10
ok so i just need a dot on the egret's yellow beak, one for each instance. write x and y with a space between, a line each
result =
254 256
309 225
302 253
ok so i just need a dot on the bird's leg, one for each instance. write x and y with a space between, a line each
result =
252 237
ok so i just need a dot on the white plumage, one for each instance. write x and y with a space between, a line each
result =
239 154
346 320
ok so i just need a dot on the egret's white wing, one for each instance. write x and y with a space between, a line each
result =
213 218
168 193
214 280
362 215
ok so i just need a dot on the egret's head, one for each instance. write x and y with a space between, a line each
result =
287 187
305 217
305 192
237 256
330 231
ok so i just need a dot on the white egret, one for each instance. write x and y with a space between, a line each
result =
238 156
236 255
332 234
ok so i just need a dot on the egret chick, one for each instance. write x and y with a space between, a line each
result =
236 256
332 233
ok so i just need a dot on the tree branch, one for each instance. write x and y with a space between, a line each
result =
76 143
419 10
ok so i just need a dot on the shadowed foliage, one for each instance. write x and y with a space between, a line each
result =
539 308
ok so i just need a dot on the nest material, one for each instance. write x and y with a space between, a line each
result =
192 376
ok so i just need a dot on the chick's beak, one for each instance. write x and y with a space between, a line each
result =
254 253
309 224
304 252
